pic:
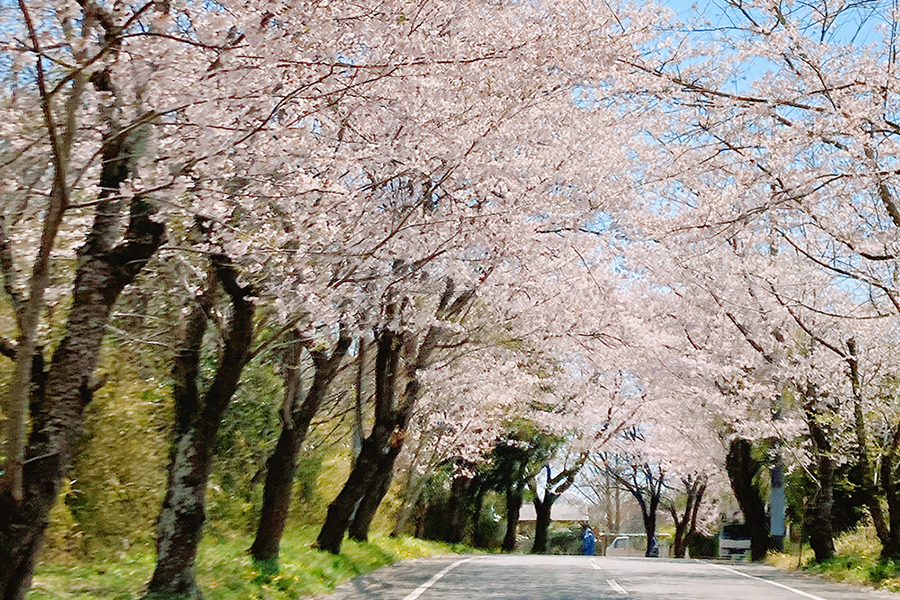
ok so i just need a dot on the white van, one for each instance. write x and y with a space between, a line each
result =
622 546
734 541
635 544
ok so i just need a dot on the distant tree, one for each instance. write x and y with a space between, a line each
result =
641 477
686 520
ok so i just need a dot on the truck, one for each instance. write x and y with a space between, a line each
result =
734 541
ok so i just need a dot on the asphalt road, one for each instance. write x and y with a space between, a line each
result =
525 577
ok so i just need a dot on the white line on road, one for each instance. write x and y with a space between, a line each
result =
434 579
775 583
612 583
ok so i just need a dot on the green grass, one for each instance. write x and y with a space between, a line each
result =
225 570
856 561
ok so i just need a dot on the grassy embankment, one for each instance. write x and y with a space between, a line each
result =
224 569
856 562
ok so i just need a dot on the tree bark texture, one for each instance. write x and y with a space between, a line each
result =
649 503
514 492
34 470
28 311
649 519
819 520
282 464
886 535
371 500
180 524
374 466
742 469
103 272
457 515
542 509
343 507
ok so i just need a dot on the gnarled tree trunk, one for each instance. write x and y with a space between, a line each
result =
343 507
686 523
34 469
542 522
180 524
282 464
742 468
103 272
890 542
371 500
819 520
373 470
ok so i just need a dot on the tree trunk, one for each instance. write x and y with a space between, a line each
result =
421 516
514 493
456 509
891 549
649 506
818 526
102 274
869 486
679 545
374 466
415 485
358 432
554 487
686 524
342 508
280 469
114 171
742 468
649 519
180 524
282 464
371 500
542 522
366 467
479 539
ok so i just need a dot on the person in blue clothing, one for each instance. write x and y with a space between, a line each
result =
588 545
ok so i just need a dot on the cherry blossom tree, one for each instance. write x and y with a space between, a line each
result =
796 132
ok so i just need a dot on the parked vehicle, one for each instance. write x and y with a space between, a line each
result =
635 544
734 541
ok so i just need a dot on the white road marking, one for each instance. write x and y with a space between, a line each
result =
775 583
612 582
434 579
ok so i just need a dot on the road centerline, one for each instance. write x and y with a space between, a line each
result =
775 583
615 586
434 579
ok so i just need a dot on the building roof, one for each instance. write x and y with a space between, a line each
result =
560 512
